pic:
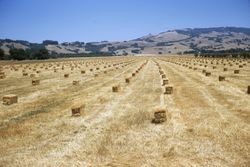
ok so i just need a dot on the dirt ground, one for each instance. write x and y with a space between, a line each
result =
208 121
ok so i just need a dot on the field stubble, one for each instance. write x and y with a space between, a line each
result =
207 120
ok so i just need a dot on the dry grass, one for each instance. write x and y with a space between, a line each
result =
207 121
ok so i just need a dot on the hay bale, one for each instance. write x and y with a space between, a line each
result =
207 74
127 80
2 75
66 75
165 82
159 116
25 74
116 88
236 71
77 110
83 72
35 82
133 74
76 82
10 99
168 89
222 78
163 76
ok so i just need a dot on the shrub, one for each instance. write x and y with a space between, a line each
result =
1 54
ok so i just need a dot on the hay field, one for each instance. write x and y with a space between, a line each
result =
207 121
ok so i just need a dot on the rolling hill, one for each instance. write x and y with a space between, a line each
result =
169 42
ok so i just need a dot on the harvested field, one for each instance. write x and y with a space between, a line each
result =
201 121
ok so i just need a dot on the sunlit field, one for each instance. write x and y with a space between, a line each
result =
125 111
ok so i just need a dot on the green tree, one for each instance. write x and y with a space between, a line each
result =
1 54
42 53
50 42
18 54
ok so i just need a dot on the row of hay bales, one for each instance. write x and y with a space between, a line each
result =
32 69
161 114
203 64
12 98
168 89
27 68
36 81
118 88
186 61
2 73
117 66
192 64
78 109
207 72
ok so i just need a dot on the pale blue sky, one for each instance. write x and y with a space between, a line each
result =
114 20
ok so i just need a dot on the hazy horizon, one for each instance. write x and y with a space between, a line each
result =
96 20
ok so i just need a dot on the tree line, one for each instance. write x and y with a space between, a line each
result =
244 55
234 53
28 54
43 53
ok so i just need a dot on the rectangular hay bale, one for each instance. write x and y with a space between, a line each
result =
168 89
222 78
77 110
127 80
10 99
35 82
76 82
164 82
116 88
159 116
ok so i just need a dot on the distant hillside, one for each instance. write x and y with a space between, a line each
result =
174 41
